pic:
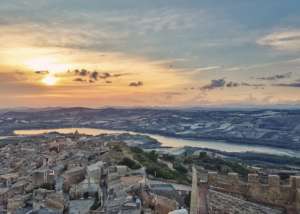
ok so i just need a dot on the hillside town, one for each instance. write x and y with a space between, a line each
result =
75 173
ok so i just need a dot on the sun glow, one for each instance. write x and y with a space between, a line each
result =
46 64
49 80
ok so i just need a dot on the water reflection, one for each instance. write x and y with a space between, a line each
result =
173 142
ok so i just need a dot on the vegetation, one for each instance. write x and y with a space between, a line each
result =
130 163
156 168
48 186
180 168
216 164
167 157
117 148
274 159
86 195
202 155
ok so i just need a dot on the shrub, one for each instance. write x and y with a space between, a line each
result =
180 168
153 156
168 157
48 186
130 163
85 195
202 155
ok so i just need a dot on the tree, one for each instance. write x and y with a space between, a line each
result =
202 155
153 156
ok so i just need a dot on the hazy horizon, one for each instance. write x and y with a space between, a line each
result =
129 53
226 107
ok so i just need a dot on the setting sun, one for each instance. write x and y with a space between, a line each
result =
50 80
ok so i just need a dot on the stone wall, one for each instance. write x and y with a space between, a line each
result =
272 193
219 202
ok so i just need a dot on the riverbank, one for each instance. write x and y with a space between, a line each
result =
173 142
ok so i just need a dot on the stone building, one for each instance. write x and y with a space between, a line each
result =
43 176
7 180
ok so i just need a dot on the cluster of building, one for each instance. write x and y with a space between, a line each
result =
72 174
79 174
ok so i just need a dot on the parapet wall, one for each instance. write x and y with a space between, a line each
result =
272 193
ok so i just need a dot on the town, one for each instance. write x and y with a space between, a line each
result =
75 173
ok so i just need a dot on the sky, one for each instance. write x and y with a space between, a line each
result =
178 53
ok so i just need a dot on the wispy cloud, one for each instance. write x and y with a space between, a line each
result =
276 77
208 68
222 83
283 40
295 84
18 82
214 84
84 75
136 84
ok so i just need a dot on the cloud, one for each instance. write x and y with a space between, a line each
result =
85 75
284 40
208 68
42 72
120 75
292 84
276 77
255 85
136 84
218 83
222 83
82 72
18 83
79 80
232 84
105 75
94 75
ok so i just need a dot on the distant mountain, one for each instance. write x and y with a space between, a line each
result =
28 109
271 127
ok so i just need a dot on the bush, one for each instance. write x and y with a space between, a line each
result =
130 163
168 157
188 160
85 195
48 186
161 172
180 168
117 148
136 150
156 168
203 155
153 156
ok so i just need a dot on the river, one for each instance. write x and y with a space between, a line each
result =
173 142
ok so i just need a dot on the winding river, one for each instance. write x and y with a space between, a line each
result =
173 142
